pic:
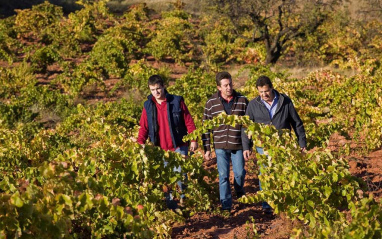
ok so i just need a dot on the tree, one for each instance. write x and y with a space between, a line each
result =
275 22
370 9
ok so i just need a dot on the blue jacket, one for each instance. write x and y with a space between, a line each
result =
176 122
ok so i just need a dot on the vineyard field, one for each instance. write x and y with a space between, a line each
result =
72 87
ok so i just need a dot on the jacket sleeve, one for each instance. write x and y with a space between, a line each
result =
246 142
188 121
297 126
143 133
206 137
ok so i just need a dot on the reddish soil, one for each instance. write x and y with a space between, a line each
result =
367 167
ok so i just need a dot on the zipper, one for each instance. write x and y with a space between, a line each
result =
232 109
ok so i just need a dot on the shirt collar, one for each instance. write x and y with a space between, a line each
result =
156 102
275 99
232 97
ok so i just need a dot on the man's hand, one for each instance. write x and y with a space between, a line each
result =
193 146
303 150
246 154
207 155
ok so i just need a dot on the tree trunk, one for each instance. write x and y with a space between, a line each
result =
272 56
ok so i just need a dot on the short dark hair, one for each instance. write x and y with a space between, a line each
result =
156 79
222 75
264 80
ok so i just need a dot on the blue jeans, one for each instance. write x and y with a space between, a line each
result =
183 150
224 156
171 204
265 205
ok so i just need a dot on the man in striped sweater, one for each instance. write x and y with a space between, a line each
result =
226 139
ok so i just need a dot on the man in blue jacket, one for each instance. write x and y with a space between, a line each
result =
273 108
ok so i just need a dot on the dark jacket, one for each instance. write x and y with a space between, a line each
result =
285 117
225 136
178 128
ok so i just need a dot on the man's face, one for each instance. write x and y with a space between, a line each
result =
157 91
225 88
266 92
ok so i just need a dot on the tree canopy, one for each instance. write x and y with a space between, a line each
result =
276 22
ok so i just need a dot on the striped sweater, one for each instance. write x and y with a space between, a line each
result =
224 136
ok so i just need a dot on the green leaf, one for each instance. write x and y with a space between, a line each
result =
312 223
156 166
103 207
328 191
134 168
335 177
16 200
173 179
85 202
267 131
67 199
